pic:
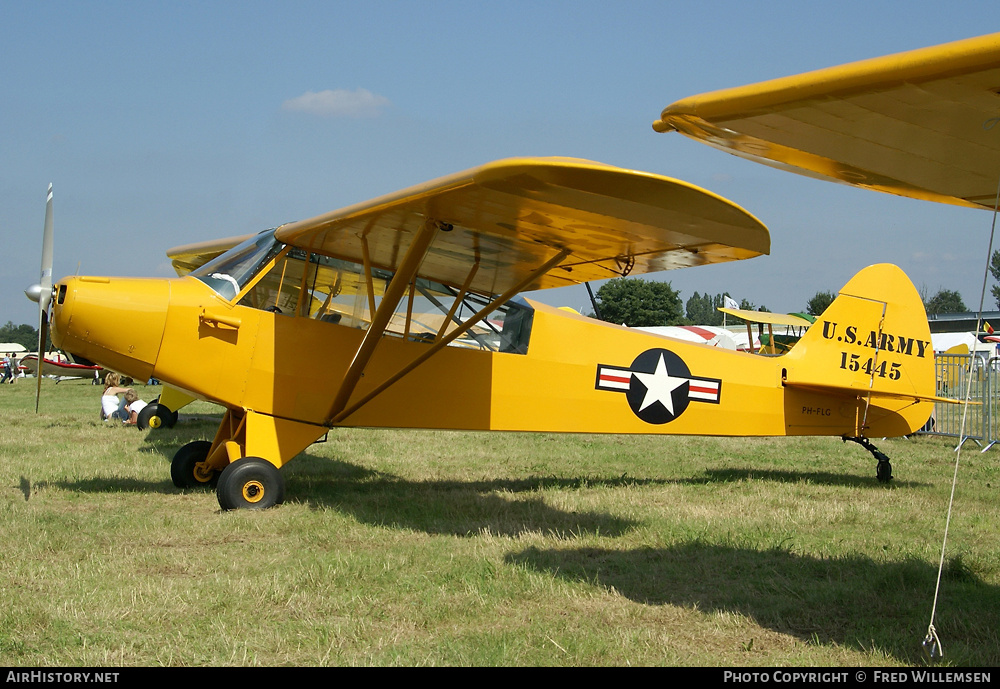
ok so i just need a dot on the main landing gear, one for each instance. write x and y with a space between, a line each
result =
189 468
883 471
243 462
248 483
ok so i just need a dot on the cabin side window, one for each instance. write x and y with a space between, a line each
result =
338 291
331 290
278 290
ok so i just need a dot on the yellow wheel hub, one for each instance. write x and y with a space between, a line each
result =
253 491
202 472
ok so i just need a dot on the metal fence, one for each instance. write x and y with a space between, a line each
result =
955 374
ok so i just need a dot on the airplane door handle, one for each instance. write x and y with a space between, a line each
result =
220 319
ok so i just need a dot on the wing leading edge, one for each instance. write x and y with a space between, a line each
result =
513 215
922 124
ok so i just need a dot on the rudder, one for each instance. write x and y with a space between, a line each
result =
873 340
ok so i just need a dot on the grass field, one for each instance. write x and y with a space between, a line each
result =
436 548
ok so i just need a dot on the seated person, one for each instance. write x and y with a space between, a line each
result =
111 407
133 405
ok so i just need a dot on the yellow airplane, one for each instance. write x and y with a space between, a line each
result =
309 326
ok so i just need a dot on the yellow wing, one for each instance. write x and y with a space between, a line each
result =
767 317
922 123
513 215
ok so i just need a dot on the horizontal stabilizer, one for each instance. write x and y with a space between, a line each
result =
835 390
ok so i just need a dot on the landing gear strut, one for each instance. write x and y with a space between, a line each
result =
884 469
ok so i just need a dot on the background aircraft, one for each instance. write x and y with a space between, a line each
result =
60 369
768 343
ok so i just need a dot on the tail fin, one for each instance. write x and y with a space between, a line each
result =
873 341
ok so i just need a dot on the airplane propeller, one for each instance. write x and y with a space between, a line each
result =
42 293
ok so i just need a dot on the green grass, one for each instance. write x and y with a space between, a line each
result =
435 548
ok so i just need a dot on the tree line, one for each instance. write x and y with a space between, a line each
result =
641 303
24 335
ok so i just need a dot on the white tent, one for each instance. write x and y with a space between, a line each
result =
701 334
945 341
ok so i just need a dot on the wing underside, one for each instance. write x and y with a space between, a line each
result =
921 124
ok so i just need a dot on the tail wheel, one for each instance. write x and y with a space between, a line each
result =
884 471
188 468
250 483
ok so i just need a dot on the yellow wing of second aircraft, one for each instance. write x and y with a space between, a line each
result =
924 123
768 317
512 216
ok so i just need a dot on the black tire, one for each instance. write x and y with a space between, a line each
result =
250 483
184 470
155 415
168 416
148 417
883 472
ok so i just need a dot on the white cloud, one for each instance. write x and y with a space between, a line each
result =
338 103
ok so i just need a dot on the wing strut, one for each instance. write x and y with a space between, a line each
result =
459 298
337 416
390 300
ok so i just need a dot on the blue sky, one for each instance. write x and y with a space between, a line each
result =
161 124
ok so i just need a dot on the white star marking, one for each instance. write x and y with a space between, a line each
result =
659 386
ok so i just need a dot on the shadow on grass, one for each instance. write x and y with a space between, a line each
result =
462 508
166 441
499 506
824 478
100 484
454 507
854 602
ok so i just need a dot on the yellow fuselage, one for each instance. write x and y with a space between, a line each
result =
577 374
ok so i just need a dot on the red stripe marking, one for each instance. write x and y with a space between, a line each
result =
714 390
701 332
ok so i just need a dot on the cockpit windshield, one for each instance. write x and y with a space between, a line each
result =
229 273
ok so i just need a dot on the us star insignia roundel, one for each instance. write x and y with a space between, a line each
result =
658 385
